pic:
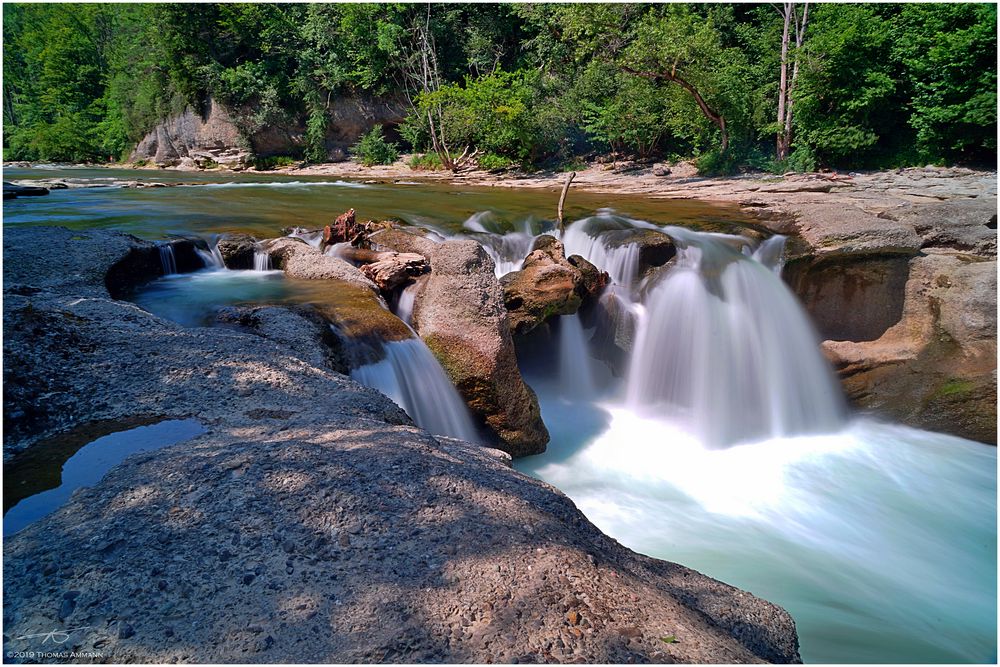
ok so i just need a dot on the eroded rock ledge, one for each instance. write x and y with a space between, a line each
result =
312 522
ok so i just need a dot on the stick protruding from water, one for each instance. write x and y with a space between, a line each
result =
562 200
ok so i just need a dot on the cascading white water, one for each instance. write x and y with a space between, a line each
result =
313 238
727 350
167 259
411 376
576 374
404 304
590 238
212 258
261 260
507 250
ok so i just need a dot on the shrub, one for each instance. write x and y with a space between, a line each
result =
494 162
426 162
373 149
273 162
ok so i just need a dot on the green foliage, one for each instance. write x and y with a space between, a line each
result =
373 149
426 162
494 162
274 162
949 55
497 114
878 84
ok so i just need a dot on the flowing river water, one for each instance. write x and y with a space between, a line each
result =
720 441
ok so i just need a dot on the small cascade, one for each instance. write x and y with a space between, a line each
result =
338 250
726 350
313 238
576 374
771 253
212 258
411 376
261 260
167 259
507 250
404 304
603 241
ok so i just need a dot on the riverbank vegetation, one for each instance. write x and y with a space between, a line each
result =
779 87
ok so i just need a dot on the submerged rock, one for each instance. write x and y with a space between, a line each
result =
312 522
13 191
460 315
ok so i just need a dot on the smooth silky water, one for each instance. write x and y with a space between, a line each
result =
722 445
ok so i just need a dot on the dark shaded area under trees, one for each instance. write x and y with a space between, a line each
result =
529 85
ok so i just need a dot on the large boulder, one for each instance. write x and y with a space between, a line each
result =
460 315
402 240
934 368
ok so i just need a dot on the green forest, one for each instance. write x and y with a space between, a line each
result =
790 86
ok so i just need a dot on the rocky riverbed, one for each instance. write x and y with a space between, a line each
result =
312 522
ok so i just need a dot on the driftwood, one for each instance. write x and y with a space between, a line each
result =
389 270
562 200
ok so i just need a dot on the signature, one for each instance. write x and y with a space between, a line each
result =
57 636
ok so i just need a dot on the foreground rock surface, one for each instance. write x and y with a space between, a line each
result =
459 313
312 522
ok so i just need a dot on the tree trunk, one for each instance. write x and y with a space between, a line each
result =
800 35
782 141
717 119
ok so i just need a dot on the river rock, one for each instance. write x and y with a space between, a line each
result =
402 240
935 367
393 269
298 259
13 191
237 250
546 285
303 330
460 315
403 547
968 225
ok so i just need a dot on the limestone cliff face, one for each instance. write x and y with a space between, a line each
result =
195 140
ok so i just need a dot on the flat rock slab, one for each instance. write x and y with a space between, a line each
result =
358 541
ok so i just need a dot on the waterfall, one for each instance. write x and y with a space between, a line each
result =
411 376
212 258
726 350
576 375
507 250
167 259
603 241
261 260
313 238
404 303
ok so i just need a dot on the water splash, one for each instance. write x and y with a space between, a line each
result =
405 302
313 238
727 350
602 240
261 260
411 376
167 259
212 258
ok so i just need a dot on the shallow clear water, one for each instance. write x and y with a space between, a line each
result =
68 466
264 204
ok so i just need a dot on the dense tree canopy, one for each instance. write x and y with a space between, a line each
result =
531 84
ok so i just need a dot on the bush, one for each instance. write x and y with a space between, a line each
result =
426 162
494 162
717 163
273 162
373 149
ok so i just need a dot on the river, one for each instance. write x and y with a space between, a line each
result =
723 443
